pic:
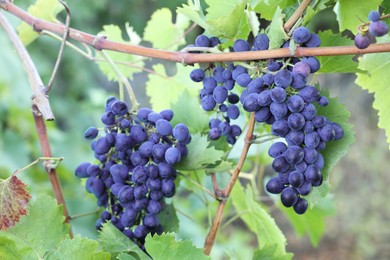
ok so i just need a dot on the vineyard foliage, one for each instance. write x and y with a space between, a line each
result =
248 229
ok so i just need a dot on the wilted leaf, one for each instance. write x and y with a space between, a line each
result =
14 200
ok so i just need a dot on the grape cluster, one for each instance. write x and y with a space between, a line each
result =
376 28
134 172
278 94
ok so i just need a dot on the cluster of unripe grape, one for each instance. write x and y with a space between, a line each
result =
376 28
278 93
134 169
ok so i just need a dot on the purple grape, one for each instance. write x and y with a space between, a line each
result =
301 35
91 133
274 186
280 128
312 174
243 80
283 78
172 155
296 179
374 16
202 41
294 154
220 94
208 103
278 95
296 121
314 41
168 187
295 103
81 170
301 206
241 45
119 108
261 42
277 149
233 112
289 196
378 28
280 164
262 114
313 63
163 127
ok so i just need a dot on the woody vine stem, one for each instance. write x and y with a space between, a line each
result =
41 106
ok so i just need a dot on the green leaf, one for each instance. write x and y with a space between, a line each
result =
270 253
351 13
267 8
377 81
124 256
194 12
165 90
169 219
115 242
276 33
78 248
114 33
336 64
313 221
188 111
166 247
257 219
45 222
9 249
164 34
335 150
227 18
200 155
46 10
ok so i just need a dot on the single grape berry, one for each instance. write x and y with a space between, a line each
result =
301 35
378 28
374 16
197 75
241 45
362 41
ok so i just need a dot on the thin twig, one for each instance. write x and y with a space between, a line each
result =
84 214
187 58
38 98
60 52
201 187
296 15
58 159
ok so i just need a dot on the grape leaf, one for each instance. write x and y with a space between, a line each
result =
165 90
336 64
200 155
257 219
313 221
46 10
276 33
169 219
45 222
227 19
377 81
114 33
350 13
188 111
166 247
14 200
9 249
78 248
267 8
270 253
164 34
112 240
124 256
194 12
335 150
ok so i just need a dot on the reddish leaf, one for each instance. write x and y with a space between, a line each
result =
14 200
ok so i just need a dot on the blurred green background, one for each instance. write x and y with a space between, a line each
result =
359 228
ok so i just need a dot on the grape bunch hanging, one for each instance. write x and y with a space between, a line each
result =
134 171
278 93
368 32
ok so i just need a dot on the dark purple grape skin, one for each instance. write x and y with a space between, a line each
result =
163 127
81 170
374 16
309 94
261 42
313 63
327 133
278 95
294 154
296 179
283 78
378 29
119 108
197 75
296 121
301 35
243 80
180 132
295 103
314 41
362 41
168 187
172 155
280 164
202 41
241 45
91 133
301 206
153 207
262 114
305 189
167 114
233 112
140 231
289 197
102 146
312 174
208 103
274 186
277 149
280 128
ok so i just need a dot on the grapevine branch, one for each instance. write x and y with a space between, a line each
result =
101 43
40 107
39 97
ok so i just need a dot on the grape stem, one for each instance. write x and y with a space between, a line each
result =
101 43
296 15
46 152
226 192
48 163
